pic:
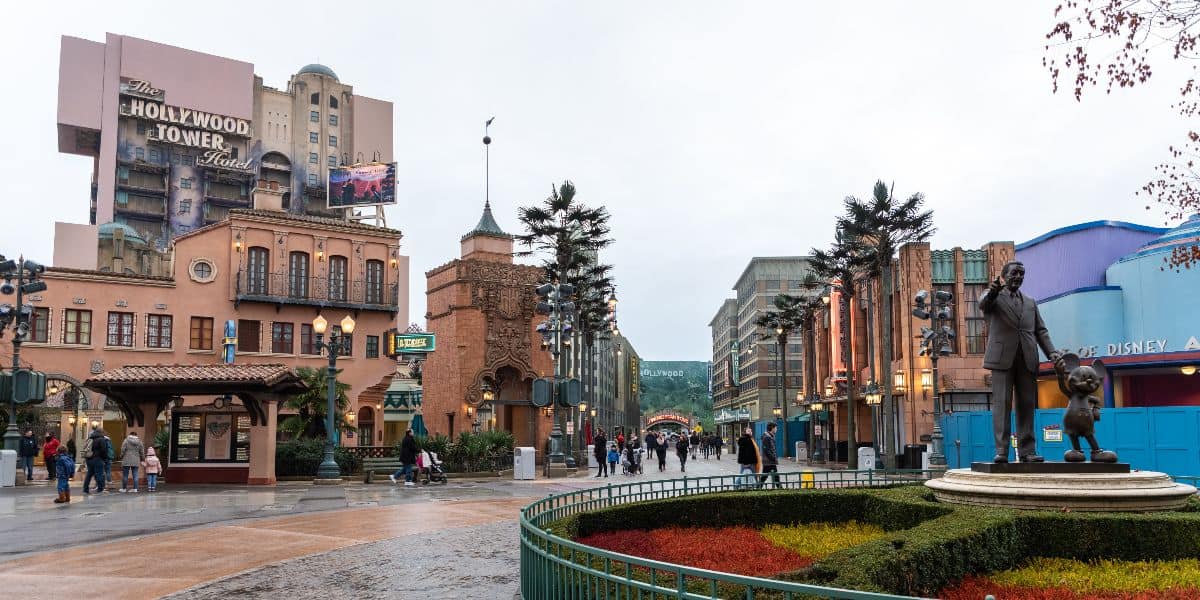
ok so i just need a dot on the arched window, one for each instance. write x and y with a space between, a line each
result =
315 98
337 278
332 102
257 261
374 282
298 275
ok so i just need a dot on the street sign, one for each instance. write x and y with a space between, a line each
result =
409 343
816 430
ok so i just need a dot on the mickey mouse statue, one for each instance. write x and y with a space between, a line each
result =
1078 382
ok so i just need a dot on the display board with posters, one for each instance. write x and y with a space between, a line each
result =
362 185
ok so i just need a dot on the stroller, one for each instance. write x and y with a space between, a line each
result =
428 463
631 461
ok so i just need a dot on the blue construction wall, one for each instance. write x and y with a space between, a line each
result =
1163 438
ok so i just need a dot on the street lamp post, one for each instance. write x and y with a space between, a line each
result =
336 346
26 273
935 343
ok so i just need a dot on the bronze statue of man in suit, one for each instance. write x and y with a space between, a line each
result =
1015 331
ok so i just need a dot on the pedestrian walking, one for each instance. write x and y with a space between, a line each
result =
50 454
601 451
613 458
770 461
408 458
26 453
694 444
64 467
621 439
133 454
661 449
153 468
95 453
681 449
749 460
110 454
719 442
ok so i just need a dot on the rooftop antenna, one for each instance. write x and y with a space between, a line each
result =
487 142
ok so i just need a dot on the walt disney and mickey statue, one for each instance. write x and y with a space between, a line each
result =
1015 331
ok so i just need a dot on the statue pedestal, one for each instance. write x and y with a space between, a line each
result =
1098 487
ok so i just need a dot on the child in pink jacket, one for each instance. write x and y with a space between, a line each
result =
153 468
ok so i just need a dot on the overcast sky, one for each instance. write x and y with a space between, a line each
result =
713 132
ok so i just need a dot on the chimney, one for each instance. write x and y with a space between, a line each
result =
268 195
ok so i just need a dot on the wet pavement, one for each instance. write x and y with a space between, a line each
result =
378 540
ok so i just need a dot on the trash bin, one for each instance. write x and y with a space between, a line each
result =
912 456
524 463
866 458
8 468
801 451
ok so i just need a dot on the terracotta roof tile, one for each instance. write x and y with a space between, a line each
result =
212 373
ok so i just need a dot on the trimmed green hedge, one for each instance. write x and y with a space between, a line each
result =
929 545
302 457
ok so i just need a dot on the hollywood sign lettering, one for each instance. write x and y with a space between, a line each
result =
178 125
1135 347
649 373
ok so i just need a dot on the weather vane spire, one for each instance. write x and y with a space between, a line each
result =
487 142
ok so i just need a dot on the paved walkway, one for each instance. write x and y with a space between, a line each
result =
293 539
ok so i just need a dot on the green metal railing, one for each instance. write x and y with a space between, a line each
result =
554 567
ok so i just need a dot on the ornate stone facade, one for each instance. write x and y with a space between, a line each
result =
481 308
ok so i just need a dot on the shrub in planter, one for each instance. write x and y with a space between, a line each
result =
302 457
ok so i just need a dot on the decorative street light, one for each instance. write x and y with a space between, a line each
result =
777 411
935 343
338 344
26 273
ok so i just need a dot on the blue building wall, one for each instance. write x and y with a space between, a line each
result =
1085 319
1074 257
1162 438
1159 304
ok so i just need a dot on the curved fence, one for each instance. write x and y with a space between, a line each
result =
554 567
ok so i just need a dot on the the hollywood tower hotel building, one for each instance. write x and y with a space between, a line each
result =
180 137
209 209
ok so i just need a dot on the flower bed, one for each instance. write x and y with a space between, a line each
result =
1065 579
743 550
917 546
740 550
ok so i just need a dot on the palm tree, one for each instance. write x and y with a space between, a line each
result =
787 317
310 406
885 224
839 264
570 234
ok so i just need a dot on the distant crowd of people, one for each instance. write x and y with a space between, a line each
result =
98 455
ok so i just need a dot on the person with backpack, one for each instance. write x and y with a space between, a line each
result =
133 454
95 453
64 468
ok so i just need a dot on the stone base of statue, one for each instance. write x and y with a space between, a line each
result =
560 470
1088 487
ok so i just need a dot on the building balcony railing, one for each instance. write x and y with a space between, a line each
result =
283 288
159 189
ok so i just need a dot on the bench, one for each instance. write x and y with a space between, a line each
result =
387 466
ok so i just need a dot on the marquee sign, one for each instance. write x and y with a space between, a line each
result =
409 343
179 125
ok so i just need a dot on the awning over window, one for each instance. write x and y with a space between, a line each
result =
403 396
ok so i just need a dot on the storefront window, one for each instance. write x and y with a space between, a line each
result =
210 437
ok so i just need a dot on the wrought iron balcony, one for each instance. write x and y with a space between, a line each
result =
284 288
